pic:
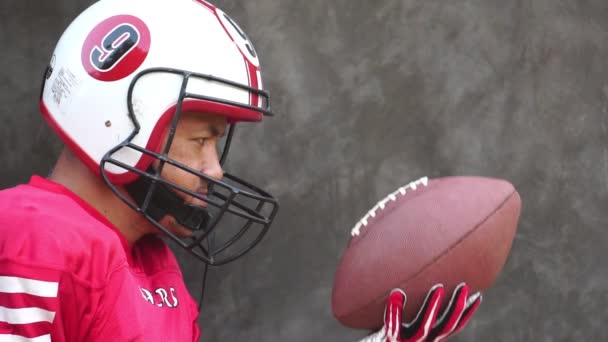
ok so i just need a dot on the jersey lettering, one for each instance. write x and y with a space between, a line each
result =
161 297
147 295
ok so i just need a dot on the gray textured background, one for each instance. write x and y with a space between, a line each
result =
371 95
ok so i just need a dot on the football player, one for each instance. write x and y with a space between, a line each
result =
145 95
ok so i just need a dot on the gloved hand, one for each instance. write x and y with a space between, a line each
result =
428 326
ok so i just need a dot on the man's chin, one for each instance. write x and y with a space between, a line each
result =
175 228
182 233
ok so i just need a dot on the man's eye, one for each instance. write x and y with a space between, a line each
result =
201 141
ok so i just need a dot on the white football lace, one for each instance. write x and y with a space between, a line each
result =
424 181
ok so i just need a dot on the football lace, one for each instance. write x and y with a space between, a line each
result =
356 231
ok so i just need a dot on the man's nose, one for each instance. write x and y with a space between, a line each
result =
213 168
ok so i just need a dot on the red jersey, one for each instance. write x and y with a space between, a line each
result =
67 274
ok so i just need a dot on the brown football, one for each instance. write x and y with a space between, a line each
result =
445 230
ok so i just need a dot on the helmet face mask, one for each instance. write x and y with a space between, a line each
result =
154 196
134 103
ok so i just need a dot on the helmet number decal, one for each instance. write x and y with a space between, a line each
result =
119 42
239 37
244 37
115 48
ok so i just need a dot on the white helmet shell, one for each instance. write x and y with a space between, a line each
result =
96 63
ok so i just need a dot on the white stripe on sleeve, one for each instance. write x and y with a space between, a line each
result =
17 338
25 315
30 286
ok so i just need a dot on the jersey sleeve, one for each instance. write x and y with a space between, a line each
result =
29 302
43 304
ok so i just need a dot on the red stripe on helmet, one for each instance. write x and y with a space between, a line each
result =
206 4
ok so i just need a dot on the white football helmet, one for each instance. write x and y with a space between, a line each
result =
118 80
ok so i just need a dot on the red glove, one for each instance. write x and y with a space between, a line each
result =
428 326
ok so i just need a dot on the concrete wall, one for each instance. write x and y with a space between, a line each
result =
371 95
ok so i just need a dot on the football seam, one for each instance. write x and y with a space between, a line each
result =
379 217
422 269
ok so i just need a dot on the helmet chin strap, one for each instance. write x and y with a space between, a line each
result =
165 201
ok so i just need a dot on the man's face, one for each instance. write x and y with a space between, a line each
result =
195 145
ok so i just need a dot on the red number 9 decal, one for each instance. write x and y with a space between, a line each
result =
116 47
239 37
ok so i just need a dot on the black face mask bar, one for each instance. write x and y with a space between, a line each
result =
155 197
